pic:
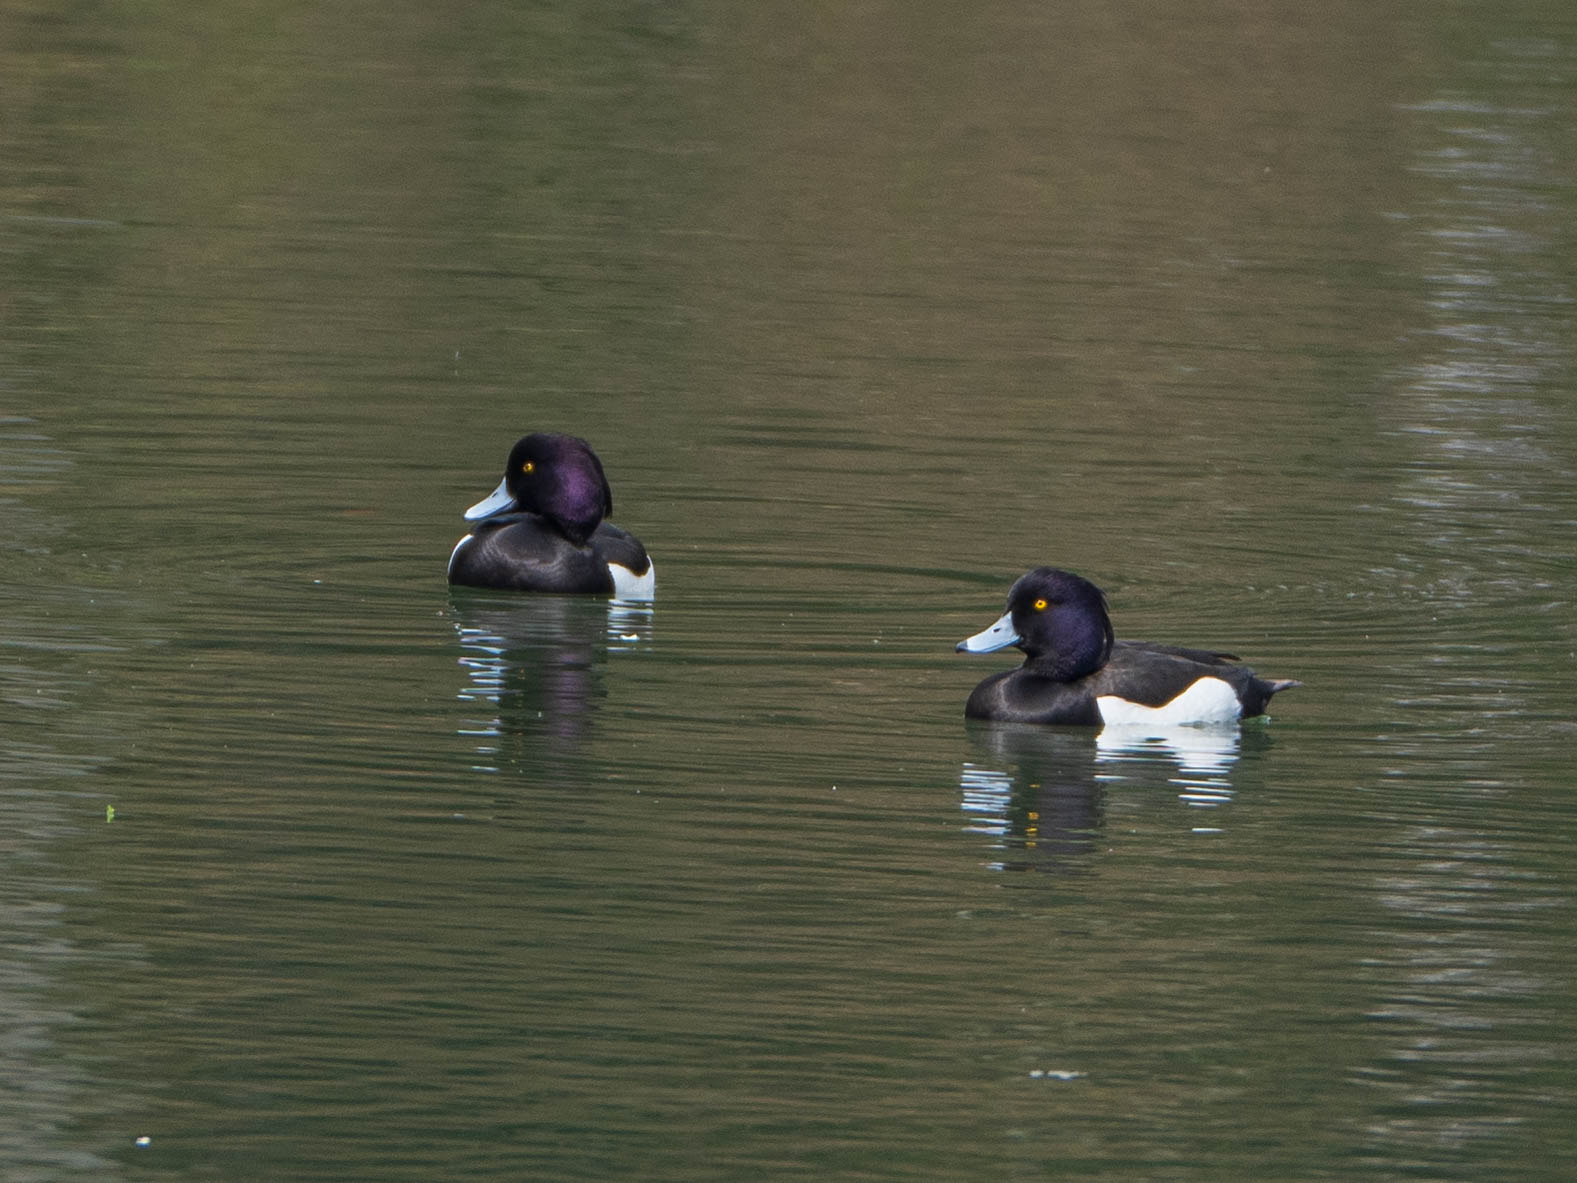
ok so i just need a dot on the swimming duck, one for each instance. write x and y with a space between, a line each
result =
542 529
1076 672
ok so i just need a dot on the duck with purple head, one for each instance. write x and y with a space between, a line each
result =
1075 671
544 529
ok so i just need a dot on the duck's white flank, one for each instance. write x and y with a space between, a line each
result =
1209 700
627 585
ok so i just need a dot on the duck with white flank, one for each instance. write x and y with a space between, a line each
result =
1076 672
543 528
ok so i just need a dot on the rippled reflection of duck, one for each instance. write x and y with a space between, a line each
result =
543 528
1034 792
535 670
1075 672
1041 795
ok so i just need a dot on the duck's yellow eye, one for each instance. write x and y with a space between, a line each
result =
528 468
1040 605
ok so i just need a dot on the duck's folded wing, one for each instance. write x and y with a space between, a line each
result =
1202 656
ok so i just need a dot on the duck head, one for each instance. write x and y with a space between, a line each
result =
1058 619
555 476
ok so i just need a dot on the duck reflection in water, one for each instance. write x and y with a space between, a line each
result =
1035 794
535 668
1042 794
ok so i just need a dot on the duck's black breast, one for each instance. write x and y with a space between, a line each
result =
1023 696
526 553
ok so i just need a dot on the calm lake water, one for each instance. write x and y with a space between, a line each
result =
1262 317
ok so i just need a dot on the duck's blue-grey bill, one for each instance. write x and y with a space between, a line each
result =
498 501
999 636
